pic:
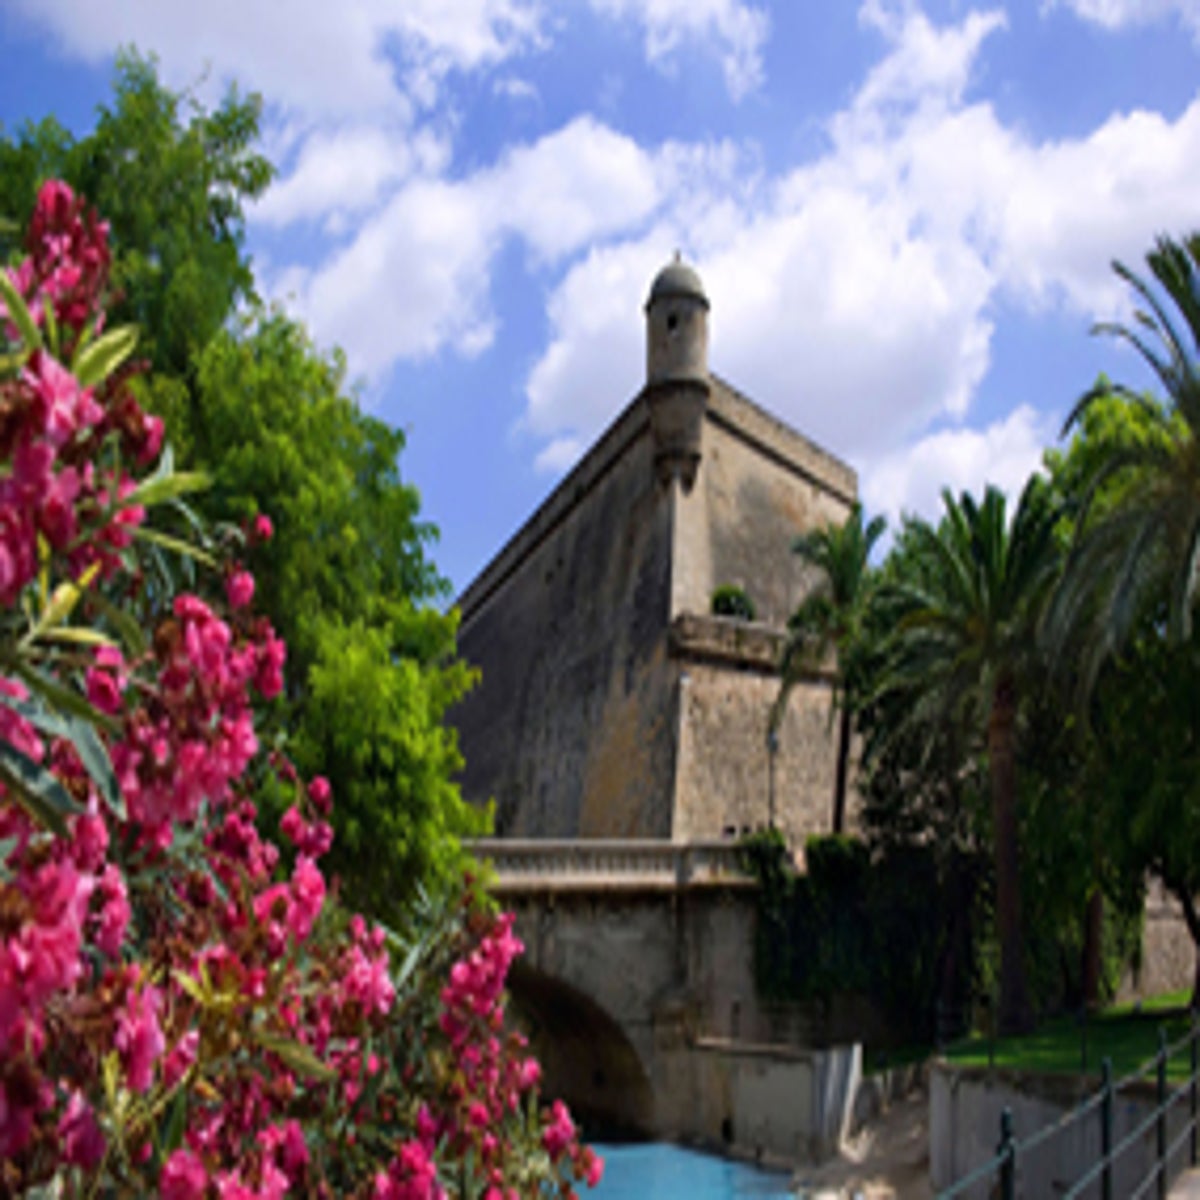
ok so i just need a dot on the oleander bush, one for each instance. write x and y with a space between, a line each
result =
185 1008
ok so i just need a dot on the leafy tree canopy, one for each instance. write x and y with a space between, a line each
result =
346 578
171 180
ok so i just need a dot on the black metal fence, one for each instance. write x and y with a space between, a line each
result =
1001 1175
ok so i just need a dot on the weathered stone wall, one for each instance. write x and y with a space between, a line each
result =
759 486
642 1009
964 1128
593 719
1168 959
723 775
571 730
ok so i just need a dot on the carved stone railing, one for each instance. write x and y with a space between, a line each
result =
524 866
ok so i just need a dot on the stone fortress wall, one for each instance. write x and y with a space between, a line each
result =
612 704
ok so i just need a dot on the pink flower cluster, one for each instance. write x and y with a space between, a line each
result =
195 737
163 956
51 427
68 260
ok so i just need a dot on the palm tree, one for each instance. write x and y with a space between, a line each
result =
963 645
829 619
1129 588
1140 557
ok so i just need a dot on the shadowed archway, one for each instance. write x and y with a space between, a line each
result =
586 1058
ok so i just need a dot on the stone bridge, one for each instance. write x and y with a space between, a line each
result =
637 991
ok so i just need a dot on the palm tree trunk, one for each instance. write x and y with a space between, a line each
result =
1093 939
1016 1013
843 762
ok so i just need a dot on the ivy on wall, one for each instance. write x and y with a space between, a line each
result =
850 926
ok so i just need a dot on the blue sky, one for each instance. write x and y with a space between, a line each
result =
904 213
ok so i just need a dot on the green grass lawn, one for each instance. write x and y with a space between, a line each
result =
1123 1033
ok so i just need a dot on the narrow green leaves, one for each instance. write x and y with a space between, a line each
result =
19 314
296 1055
82 735
36 790
96 361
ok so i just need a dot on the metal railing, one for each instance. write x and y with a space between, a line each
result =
1003 1170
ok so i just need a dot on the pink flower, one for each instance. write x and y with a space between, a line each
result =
319 793
593 1167
83 1143
139 1037
57 515
63 407
114 913
263 529
530 1074
308 894
560 1132
240 589
183 1177
152 436
180 1058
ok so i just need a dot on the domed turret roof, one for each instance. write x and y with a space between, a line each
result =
677 279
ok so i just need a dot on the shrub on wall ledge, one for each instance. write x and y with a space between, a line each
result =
729 600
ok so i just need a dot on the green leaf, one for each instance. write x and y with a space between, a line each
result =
296 1055
127 628
61 605
193 987
36 790
51 323
18 313
173 543
60 697
96 361
158 488
78 636
82 735
174 1125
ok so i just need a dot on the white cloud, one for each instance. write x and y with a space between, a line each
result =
855 295
910 478
580 183
319 59
513 87
926 65
345 171
737 29
416 276
413 280
1119 14
559 455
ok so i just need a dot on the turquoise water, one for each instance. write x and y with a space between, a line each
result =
657 1171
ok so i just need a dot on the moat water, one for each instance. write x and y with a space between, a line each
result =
658 1171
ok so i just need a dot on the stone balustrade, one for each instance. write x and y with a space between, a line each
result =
535 865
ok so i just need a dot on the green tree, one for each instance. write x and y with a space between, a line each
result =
960 654
1126 604
1077 768
829 620
346 579
172 179
1142 554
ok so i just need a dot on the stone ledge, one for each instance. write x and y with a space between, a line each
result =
608 865
773 1050
751 645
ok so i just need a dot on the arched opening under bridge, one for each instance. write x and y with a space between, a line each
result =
587 1059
